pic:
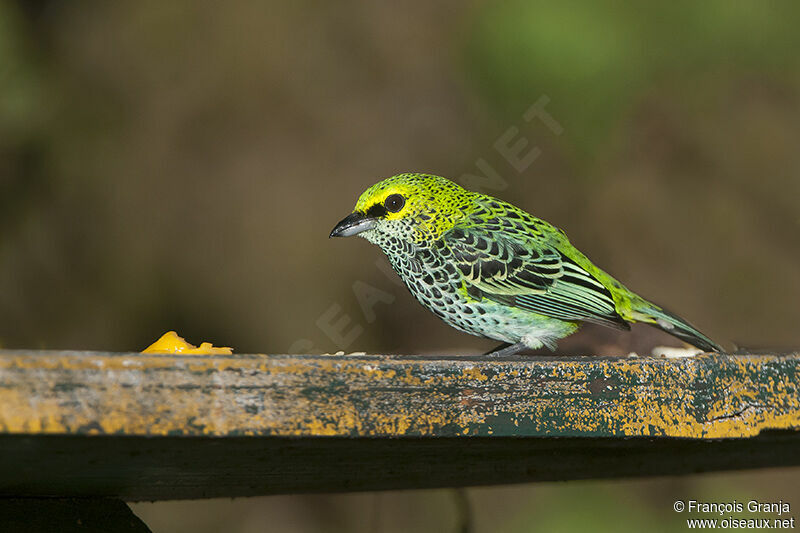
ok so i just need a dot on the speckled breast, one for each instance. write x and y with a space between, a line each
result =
435 283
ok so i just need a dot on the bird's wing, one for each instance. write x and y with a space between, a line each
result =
523 270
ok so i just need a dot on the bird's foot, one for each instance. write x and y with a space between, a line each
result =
506 349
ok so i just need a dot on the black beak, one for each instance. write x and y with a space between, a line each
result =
353 224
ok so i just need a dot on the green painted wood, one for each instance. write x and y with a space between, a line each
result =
707 396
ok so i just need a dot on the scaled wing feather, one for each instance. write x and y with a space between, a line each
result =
527 272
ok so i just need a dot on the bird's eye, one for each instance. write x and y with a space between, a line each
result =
394 203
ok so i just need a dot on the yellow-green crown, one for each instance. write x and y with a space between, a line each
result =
431 202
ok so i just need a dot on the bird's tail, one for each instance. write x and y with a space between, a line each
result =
674 325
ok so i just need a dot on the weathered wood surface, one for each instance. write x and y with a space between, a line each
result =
147 426
709 396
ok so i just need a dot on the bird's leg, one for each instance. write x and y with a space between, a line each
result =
507 349
498 348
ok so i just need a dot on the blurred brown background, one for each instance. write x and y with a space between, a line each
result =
178 165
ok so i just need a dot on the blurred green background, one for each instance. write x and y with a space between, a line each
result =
178 165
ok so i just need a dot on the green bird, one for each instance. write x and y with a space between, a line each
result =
490 269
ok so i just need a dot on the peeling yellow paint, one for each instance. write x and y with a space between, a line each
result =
474 373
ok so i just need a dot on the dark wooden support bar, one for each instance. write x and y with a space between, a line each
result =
67 515
151 427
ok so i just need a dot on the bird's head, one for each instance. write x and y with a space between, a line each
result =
408 207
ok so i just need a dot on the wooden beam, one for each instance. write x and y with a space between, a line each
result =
709 396
169 468
170 426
